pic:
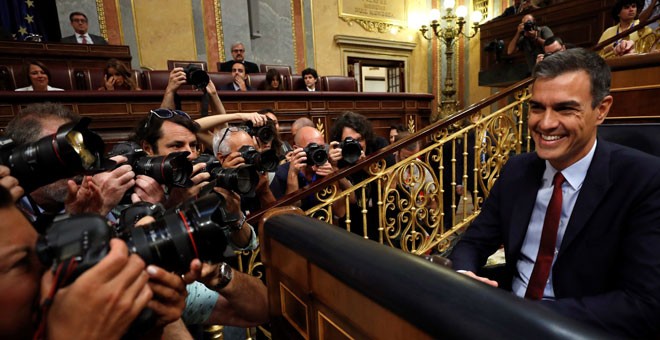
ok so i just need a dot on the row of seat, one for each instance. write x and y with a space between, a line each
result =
88 78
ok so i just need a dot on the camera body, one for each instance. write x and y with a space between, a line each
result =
174 169
265 133
242 180
530 25
316 154
196 77
263 161
351 150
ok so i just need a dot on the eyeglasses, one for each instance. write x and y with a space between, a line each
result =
164 114
237 50
79 20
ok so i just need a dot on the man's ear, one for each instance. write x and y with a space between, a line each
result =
148 149
603 109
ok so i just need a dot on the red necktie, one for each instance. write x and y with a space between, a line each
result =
84 39
546 253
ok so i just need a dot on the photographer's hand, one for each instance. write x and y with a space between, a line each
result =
177 78
147 189
101 303
240 238
199 179
170 293
256 118
233 160
10 183
334 155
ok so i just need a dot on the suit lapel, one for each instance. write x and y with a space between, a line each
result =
593 190
524 204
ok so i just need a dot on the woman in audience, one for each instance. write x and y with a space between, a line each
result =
273 80
624 13
38 77
118 77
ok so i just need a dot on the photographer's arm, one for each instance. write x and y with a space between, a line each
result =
243 302
209 123
513 44
177 78
10 183
216 103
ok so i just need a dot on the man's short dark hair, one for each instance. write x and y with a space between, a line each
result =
26 126
238 62
618 6
76 13
311 71
355 121
398 128
148 129
578 59
552 40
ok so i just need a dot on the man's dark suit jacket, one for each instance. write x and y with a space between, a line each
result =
607 271
249 67
230 87
97 40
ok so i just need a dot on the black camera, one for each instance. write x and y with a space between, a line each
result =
194 229
174 169
264 161
72 150
196 77
351 150
316 154
265 133
242 180
529 26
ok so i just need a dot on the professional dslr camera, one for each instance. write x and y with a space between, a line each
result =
530 25
241 180
263 161
72 150
265 133
196 77
174 169
351 150
194 229
316 154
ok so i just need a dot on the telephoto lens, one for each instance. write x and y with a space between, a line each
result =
263 161
194 229
174 169
316 154
72 150
242 180
351 150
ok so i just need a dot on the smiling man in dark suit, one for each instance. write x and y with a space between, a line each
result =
80 26
589 245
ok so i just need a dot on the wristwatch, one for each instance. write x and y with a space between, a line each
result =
239 224
226 274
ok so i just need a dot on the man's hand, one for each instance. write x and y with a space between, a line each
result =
147 189
298 161
233 160
624 47
539 57
199 179
479 278
112 185
240 81
324 170
10 183
169 295
177 78
256 118
101 303
334 155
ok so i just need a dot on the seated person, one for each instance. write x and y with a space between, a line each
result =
80 26
238 56
117 76
38 76
273 81
310 77
624 13
394 131
240 78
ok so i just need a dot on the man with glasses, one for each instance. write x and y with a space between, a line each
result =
80 26
238 56
551 46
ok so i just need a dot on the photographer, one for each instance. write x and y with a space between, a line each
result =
551 46
178 78
95 194
227 145
529 39
306 167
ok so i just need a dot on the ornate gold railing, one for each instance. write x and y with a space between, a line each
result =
409 196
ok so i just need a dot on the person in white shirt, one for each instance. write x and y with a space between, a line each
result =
80 25
38 77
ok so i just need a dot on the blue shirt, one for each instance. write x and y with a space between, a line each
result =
574 176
